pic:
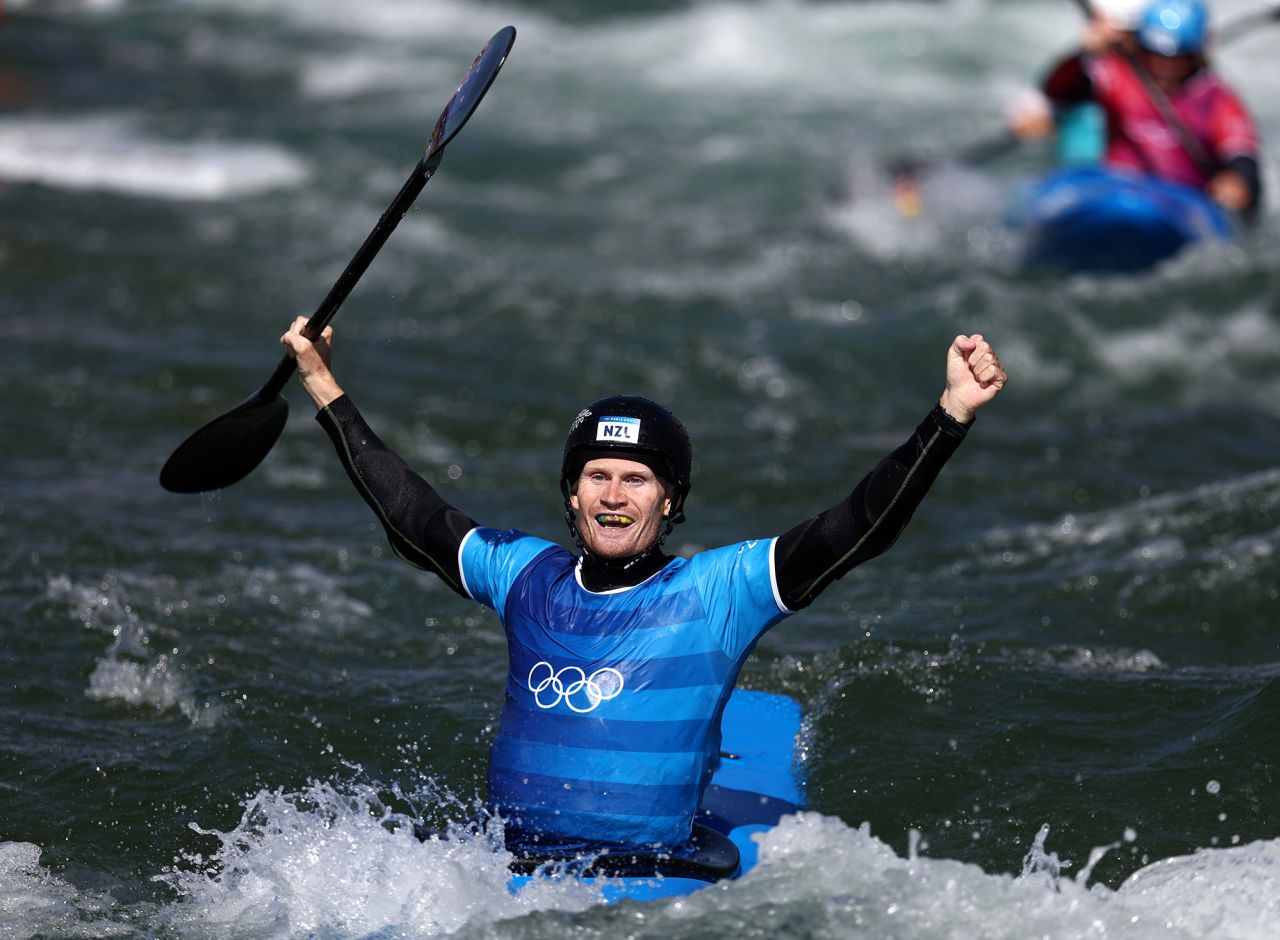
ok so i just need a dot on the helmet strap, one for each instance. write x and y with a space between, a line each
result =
571 518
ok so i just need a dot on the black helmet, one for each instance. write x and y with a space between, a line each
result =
635 428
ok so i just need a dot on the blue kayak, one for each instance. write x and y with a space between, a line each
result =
756 782
1104 221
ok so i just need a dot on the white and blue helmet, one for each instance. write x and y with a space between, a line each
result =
1174 27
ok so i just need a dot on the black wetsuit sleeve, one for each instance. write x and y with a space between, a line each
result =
820 550
1068 82
1247 167
423 529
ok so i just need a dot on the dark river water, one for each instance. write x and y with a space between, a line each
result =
215 709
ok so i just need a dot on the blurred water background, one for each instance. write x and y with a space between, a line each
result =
215 710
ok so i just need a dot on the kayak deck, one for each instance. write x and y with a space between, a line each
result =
1103 221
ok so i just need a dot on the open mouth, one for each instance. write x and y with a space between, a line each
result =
613 520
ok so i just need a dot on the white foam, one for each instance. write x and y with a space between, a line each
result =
36 903
827 54
776 57
113 153
158 685
385 19
1228 893
346 76
129 672
956 211
1153 533
1100 659
1215 340
322 607
336 862
854 878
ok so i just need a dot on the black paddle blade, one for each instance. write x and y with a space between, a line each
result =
472 88
226 449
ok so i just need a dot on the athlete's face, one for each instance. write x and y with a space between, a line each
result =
621 505
1169 71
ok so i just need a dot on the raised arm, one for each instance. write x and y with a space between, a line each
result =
867 523
422 528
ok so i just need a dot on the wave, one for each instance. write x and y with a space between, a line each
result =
37 903
334 861
114 153
130 672
1222 530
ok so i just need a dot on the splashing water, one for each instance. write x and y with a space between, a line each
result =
341 863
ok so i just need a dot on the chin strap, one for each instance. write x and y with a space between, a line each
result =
571 518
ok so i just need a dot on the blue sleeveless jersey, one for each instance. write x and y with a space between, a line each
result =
611 722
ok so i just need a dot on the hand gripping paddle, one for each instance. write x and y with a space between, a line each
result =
228 448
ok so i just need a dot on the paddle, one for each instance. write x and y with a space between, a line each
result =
228 448
904 170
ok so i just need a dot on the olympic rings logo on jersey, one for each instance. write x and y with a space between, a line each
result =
581 692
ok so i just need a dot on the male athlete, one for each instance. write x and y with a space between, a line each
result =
621 657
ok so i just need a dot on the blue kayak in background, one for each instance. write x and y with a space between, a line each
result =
756 782
1104 221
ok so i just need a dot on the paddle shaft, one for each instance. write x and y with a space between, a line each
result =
356 267
452 118
228 448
